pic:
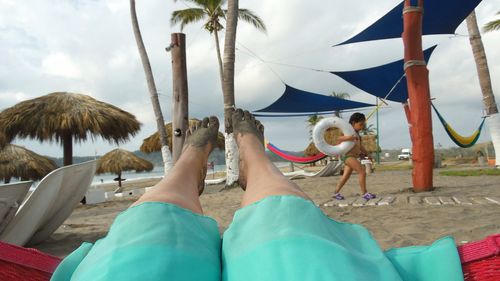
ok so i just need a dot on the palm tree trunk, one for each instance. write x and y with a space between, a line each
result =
219 57
483 73
232 154
167 157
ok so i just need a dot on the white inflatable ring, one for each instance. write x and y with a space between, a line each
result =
319 136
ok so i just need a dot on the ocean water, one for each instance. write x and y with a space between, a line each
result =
157 172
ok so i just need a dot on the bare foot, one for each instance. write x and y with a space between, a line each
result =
249 135
202 138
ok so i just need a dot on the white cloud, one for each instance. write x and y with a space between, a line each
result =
59 64
88 47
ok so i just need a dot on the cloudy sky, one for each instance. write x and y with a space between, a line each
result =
87 46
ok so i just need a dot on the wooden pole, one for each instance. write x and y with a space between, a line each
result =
378 135
180 94
67 148
417 77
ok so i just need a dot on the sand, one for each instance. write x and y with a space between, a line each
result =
396 225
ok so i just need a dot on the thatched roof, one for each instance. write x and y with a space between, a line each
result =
51 116
369 142
19 162
119 160
3 140
152 143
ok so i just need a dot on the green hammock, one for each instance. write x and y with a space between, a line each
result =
455 137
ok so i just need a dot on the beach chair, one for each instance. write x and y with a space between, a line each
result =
11 197
76 182
60 187
329 170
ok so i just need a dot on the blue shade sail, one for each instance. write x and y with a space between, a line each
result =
298 101
440 17
380 80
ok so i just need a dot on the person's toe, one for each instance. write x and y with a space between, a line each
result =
237 115
259 125
213 122
247 115
204 123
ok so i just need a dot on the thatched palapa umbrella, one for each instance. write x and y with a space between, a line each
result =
3 140
118 160
152 143
63 116
19 162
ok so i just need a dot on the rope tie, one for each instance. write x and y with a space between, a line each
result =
413 9
411 63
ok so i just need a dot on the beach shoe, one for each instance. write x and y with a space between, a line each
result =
369 196
338 196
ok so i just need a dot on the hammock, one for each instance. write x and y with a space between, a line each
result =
455 137
293 158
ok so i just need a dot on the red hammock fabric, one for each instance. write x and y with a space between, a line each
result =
481 259
18 263
295 159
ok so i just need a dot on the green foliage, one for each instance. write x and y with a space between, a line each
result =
471 173
212 13
492 25
312 121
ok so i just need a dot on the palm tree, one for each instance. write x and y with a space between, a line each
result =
483 73
340 95
311 122
212 13
153 93
492 25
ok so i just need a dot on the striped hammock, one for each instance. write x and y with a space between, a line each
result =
293 158
462 141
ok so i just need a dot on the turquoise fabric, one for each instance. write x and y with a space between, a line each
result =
289 238
278 238
151 241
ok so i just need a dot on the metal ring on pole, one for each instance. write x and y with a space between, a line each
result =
411 63
413 9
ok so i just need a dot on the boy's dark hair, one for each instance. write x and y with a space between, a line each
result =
357 117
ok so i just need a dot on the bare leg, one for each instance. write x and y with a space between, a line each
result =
183 185
360 169
257 173
345 177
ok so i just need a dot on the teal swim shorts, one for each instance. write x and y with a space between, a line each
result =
277 238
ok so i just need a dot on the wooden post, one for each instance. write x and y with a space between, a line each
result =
68 148
417 77
180 119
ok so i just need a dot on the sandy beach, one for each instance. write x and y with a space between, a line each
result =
408 220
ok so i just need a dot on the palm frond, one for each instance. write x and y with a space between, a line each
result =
340 95
187 16
492 26
213 5
252 18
